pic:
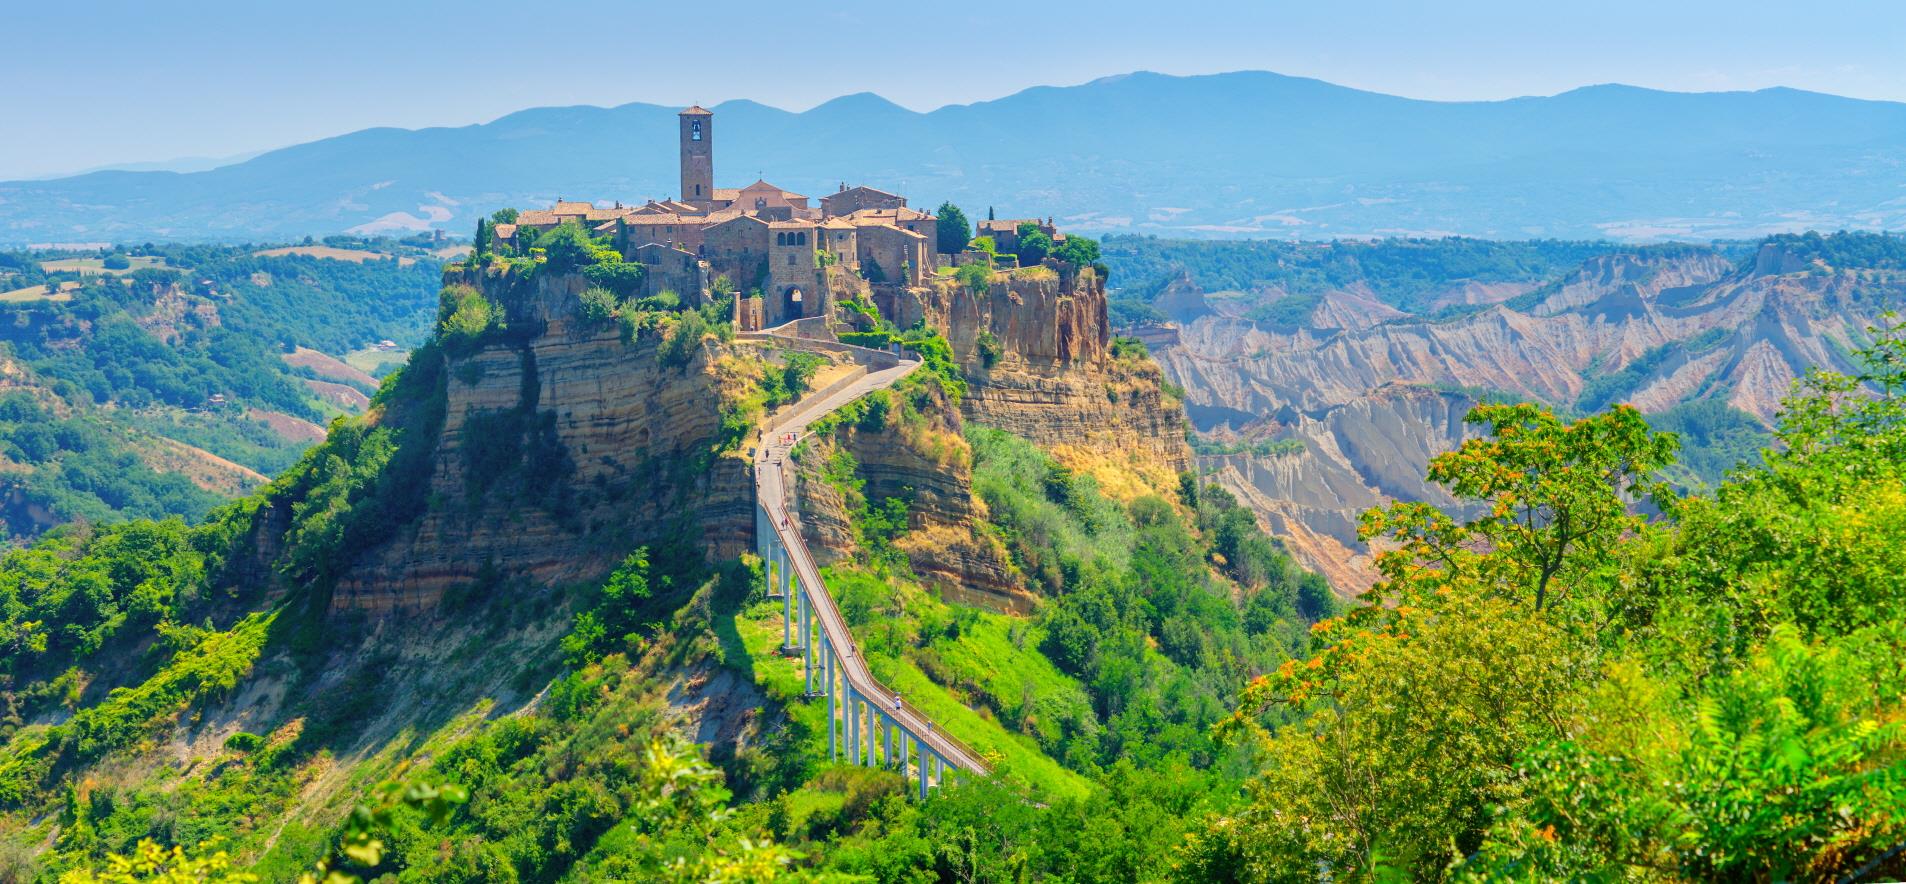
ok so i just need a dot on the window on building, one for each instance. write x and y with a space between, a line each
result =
695 132
790 260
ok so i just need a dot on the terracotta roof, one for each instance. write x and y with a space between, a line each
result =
876 224
737 217
837 224
861 188
1010 224
728 193
653 219
572 207
696 110
536 218
505 231
888 216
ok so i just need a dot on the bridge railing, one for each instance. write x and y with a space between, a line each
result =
784 527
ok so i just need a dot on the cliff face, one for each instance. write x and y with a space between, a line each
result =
562 449
927 464
1055 379
1035 351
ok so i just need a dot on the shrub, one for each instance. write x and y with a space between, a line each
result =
621 277
596 307
681 345
990 349
118 262
464 315
567 247
975 277
244 742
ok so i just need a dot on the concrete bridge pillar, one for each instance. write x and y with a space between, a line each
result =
926 766
787 602
807 648
833 748
853 724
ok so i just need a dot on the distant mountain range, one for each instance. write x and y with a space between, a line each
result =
1239 154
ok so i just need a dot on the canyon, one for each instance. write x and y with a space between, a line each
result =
1371 392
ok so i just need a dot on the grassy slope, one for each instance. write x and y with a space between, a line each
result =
984 649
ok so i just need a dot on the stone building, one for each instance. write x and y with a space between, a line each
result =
1005 231
672 269
770 242
853 199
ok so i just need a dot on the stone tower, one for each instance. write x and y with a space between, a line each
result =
698 156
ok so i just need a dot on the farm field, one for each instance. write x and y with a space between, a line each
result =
357 256
97 266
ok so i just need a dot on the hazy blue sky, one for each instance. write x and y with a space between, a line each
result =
85 83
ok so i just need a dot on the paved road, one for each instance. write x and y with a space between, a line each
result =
771 484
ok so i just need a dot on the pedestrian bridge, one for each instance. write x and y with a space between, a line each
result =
867 722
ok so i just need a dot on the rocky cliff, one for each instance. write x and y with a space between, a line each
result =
562 448
1035 352
1052 375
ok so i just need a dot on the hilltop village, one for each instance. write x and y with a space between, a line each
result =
788 258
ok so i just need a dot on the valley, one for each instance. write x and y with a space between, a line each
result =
1372 377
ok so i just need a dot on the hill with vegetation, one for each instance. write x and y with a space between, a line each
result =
1237 154
163 380
1556 683
238 686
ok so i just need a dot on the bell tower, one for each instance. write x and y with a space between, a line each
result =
698 156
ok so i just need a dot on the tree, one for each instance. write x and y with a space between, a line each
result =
953 230
504 216
485 241
1559 498
1034 245
1077 250
975 277
567 247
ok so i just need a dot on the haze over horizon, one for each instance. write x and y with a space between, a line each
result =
270 78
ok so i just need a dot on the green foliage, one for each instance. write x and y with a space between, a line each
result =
681 345
790 382
1126 578
1715 439
624 278
149 863
596 306
1404 273
952 230
989 347
567 248
116 261
1712 696
1034 244
1077 251
1290 310
1607 388
1130 348
975 277
464 317
1259 448
1842 250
